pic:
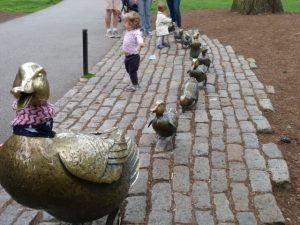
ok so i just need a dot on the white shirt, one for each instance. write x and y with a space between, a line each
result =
162 24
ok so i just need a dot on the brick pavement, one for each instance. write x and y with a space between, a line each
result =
218 174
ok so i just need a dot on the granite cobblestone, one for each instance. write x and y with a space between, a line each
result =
218 173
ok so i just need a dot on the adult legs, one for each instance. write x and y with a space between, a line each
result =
142 14
170 4
148 15
177 12
115 18
109 12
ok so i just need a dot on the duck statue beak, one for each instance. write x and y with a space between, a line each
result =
153 110
23 98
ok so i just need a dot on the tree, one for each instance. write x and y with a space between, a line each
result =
257 6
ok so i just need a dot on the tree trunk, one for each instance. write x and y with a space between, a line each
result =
253 7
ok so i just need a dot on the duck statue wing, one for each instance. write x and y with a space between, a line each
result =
191 89
172 117
98 158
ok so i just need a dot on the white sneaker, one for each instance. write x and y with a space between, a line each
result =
131 88
109 34
116 34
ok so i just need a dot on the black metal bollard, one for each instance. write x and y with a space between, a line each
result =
85 51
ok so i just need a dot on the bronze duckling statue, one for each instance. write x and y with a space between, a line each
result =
203 57
198 71
76 177
178 34
189 98
186 39
195 46
164 123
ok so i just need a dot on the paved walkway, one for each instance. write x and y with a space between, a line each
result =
52 38
219 173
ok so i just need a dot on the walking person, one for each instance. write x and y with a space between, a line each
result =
174 8
113 11
132 43
145 14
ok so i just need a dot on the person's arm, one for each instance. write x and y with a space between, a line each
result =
140 41
166 19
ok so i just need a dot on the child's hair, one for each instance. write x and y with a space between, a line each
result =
133 18
161 7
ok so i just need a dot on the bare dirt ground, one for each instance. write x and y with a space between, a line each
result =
274 42
9 16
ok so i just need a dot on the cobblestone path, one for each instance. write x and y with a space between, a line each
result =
218 174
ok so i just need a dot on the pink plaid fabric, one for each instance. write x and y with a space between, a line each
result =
34 115
132 39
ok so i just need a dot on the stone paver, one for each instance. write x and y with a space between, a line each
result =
219 172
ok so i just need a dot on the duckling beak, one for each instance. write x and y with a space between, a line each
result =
156 106
194 64
153 110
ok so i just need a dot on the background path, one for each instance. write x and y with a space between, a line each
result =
53 39
220 173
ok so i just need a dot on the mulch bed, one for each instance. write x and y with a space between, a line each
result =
9 16
274 42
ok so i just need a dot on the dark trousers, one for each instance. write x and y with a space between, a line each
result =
132 63
174 7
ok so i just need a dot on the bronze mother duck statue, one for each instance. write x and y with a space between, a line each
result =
76 177
164 124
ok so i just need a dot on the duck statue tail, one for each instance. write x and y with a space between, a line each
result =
132 161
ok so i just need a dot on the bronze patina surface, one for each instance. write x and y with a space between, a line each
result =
164 123
76 177
190 94
195 46
31 85
198 71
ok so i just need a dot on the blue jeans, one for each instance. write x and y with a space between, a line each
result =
174 7
145 13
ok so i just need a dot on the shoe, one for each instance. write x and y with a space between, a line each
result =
109 34
166 45
149 33
116 34
131 88
161 46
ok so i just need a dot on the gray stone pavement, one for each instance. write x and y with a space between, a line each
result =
219 173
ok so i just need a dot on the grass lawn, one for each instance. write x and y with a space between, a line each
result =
28 6
25 6
186 5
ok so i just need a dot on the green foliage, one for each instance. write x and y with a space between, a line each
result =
25 6
186 5
291 5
